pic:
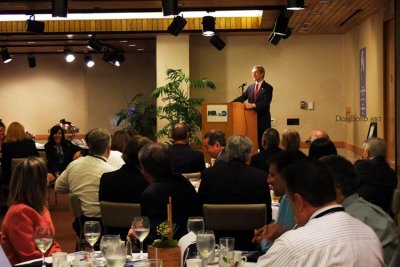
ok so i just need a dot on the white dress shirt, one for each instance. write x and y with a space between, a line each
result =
335 239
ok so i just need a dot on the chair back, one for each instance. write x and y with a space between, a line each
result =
14 163
192 176
234 217
120 215
75 205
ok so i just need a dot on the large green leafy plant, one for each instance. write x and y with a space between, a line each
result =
178 106
140 115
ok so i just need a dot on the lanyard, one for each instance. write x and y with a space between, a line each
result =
326 212
97 157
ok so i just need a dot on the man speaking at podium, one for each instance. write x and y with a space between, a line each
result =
258 96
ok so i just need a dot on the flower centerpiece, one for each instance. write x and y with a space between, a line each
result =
139 115
165 240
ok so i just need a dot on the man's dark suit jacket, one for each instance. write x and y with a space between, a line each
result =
185 159
124 185
234 182
377 181
261 160
263 101
185 203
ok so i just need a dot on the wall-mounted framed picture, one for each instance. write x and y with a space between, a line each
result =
373 130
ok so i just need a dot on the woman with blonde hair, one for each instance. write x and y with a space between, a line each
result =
290 140
28 209
15 145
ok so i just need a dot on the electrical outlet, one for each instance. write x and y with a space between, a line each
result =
273 122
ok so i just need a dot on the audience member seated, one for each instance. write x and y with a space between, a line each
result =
119 141
346 183
326 236
2 137
16 145
290 139
59 152
235 182
266 235
321 147
156 164
82 176
184 158
315 134
28 209
377 179
270 142
214 143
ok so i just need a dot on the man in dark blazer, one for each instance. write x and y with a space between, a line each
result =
270 143
184 158
235 182
377 179
259 97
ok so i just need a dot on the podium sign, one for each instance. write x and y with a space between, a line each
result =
217 113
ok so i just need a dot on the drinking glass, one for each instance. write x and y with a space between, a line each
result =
106 240
43 240
195 224
205 243
141 226
115 254
92 231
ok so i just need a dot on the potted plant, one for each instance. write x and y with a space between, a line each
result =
139 115
179 107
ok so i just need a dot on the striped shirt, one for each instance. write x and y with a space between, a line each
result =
335 239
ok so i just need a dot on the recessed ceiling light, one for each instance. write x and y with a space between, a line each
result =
131 45
70 35
325 1
123 41
307 24
302 30
31 42
140 49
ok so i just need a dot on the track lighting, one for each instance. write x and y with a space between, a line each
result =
59 8
69 56
88 61
217 42
274 38
31 61
5 56
295 4
95 44
114 57
177 25
170 7
35 26
208 26
281 24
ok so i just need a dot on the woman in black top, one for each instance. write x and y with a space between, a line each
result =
59 152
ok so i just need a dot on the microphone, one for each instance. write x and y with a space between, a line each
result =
242 85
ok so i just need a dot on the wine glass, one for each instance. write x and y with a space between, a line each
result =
141 226
92 231
195 224
205 243
43 240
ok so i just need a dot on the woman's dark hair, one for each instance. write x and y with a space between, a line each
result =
131 151
53 131
120 139
28 184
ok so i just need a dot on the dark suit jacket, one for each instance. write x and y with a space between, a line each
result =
19 149
124 185
261 160
234 182
185 159
377 181
263 101
69 151
185 203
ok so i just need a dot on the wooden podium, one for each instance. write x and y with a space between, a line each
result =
230 118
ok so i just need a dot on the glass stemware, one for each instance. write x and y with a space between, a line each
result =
205 243
195 224
106 240
92 231
43 240
141 226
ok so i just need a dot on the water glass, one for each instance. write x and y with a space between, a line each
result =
195 224
205 243
115 254
149 263
106 240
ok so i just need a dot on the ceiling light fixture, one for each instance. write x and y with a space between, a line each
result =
69 56
217 42
95 44
177 25
5 56
295 4
274 38
31 61
88 61
35 26
113 56
170 7
208 26
59 8
281 25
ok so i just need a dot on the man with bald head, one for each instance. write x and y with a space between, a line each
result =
316 134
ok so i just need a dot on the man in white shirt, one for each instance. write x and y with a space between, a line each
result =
327 236
82 176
